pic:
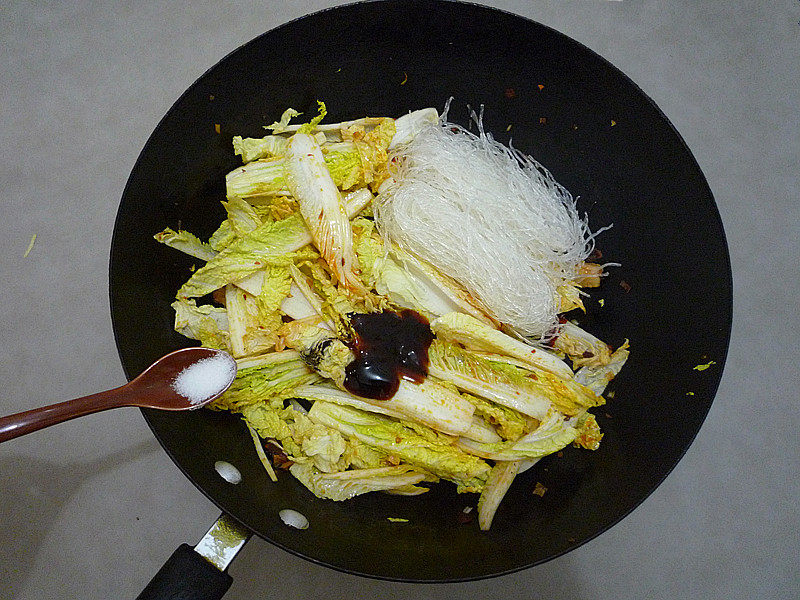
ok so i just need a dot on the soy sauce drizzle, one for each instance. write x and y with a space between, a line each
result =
388 346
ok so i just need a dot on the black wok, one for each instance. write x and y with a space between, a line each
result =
599 134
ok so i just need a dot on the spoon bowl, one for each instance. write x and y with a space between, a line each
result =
186 379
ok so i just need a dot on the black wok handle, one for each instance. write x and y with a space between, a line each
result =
187 576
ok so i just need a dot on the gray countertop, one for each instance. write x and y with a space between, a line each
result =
91 509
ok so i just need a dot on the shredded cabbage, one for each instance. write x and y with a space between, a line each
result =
476 237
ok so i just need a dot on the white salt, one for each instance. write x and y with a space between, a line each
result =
206 378
228 472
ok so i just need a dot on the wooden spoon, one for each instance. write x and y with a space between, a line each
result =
182 380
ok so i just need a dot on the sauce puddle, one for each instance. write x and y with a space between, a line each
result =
388 346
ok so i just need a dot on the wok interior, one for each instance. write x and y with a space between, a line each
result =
601 137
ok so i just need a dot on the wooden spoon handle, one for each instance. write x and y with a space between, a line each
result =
32 420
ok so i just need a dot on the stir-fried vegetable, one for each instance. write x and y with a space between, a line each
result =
301 254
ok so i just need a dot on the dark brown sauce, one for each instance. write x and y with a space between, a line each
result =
388 346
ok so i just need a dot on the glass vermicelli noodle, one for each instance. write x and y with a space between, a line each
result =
489 216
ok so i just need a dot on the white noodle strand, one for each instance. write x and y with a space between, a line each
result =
490 217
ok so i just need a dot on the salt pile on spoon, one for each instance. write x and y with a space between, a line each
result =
206 378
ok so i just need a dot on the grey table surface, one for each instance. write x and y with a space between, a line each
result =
91 508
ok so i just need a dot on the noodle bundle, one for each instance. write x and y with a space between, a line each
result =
490 217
